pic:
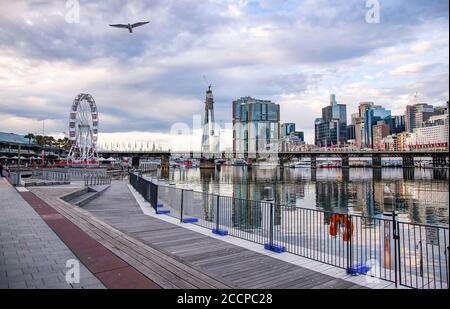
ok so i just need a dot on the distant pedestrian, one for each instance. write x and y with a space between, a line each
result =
1 170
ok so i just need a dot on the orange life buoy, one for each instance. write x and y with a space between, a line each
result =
336 221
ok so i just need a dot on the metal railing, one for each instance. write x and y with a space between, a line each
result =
408 254
96 179
50 175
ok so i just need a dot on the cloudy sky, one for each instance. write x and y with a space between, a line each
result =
294 52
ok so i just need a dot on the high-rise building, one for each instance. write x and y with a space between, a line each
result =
355 118
351 133
287 129
331 129
379 132
417 114
360 133
373 115
398 124
290 139
256 126
210 140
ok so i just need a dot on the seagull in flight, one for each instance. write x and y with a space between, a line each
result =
130 26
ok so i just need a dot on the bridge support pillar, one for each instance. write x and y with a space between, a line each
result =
408 173
345 161
165 162
376 173
313 162
346 174
135 162
408 161
439 161
376 161
313 174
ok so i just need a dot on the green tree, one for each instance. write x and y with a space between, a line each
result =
30 136
39 139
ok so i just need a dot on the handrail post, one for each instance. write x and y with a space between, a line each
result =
181 206
217 213
349 244
396 237
271 224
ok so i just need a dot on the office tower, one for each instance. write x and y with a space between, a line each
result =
256 126
360 133
351 132
417 114
287 129
373 115
331 129
398 124
379 132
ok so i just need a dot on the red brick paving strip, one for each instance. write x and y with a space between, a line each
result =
111 270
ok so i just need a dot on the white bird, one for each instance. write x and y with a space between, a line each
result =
130 26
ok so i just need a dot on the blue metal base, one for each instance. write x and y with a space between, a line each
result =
190 220
220 232
159 205
275 248
358 270
163 212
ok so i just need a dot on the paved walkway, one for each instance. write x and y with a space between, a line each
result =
31 254
227 262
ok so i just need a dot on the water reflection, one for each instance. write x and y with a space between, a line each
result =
420 195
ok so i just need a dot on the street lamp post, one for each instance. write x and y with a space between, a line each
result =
18 166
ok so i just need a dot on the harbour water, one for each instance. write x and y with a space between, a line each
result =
419 195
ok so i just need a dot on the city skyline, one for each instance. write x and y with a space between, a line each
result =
287 53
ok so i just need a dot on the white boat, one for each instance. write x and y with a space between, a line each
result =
301 164
328 164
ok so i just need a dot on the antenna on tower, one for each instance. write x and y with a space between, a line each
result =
207 84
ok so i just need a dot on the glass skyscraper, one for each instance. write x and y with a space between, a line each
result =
331 129
256 126
372 116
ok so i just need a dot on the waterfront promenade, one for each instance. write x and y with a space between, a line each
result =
31 254
143 251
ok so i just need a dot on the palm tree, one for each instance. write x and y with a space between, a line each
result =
30 137
49 141
39 139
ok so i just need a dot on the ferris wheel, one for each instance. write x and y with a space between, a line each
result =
83 128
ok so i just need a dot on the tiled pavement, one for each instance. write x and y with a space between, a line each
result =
31 254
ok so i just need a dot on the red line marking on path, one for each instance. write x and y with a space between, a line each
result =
111 270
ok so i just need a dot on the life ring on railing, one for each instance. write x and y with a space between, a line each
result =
336 221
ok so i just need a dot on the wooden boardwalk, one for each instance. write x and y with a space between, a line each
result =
175 257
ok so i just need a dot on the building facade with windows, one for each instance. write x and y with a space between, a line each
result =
379 132
417 114
256 126
433 133
372 116
331 129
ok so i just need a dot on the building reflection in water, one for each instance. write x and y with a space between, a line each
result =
420 195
